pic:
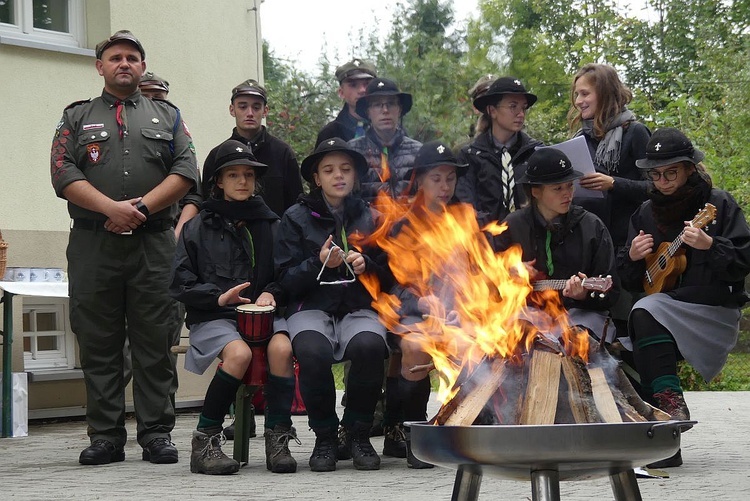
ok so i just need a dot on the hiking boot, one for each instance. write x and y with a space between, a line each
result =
278 457
673 403
394 443
160 451
343 450
102 452
670 462
323 456
207 456
362 452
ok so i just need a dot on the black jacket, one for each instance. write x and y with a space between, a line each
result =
303 231
343 126
581 243
213 255
482 186
281 184
714 276
630 189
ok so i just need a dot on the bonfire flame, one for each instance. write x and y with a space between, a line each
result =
476 301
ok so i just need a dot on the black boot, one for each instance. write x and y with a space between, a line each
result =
394 443
323 456
362 452
411 460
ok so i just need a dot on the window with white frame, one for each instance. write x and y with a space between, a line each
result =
47 341
57 22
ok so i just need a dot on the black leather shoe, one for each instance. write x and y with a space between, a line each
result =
101 452
160 451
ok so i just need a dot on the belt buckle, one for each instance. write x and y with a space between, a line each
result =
129 232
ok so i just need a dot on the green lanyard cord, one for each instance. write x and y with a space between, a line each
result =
550 264
344 243
252 247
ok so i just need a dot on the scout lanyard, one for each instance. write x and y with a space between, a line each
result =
252 247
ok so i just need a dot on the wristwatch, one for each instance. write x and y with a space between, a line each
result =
142 209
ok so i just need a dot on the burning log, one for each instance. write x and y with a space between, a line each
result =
472 396
603 396
648 411
580 393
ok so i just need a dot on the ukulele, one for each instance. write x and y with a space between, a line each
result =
601 284
669 261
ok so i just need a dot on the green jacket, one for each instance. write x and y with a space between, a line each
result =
122 161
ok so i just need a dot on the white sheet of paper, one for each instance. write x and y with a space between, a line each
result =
578 152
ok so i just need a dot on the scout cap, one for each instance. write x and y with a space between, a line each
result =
310 164
250 87
500 87
233 152
434 154
668 146
355 70
383 87
119 36
150 80
549 166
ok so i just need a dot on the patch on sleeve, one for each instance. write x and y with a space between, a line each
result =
187 131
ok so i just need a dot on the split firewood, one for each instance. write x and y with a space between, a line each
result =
473 403
603 397
540 404
580 393
645 409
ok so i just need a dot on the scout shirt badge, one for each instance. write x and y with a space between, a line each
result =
94 152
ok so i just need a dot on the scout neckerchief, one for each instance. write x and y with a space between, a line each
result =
252 247
118 118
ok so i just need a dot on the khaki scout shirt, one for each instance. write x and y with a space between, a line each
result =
88 145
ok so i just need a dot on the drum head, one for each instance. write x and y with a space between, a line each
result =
254 308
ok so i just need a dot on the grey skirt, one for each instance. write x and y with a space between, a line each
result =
704 334
338 331
207 339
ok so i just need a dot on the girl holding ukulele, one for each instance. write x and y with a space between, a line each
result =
698 317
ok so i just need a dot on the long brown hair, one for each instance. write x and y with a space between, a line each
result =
611 95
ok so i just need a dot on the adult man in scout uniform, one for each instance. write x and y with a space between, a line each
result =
353 78
153 86
122 162
282 182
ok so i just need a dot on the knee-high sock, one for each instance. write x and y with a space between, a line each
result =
279 393
655 352
393 402
219 397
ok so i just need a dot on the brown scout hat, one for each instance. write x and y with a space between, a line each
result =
119 36
355 70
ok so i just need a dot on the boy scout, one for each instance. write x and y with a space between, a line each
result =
122 162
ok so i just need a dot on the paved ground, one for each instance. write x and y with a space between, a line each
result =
44 466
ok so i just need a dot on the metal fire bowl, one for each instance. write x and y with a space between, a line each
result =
576 451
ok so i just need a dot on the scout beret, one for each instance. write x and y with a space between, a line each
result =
119 36
549 166
355 69
151 80
250 87
669 146
310 164
501 87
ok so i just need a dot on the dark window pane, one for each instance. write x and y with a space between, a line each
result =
51 15
46 343
27 344
46 322
6 11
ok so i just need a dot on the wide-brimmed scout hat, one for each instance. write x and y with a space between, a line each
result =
383 87
150 80
501 87
310 164
250 87
434 154
668 146
119 36
356 69
549 166
233 152
482 86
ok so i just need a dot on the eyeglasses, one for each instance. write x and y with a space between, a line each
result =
388 105
515 108
669 175
348 267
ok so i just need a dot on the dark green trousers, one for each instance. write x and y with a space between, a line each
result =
118 290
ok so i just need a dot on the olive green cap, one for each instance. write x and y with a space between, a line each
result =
152 80
355 70
119 36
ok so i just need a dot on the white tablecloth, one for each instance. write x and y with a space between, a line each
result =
46 289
